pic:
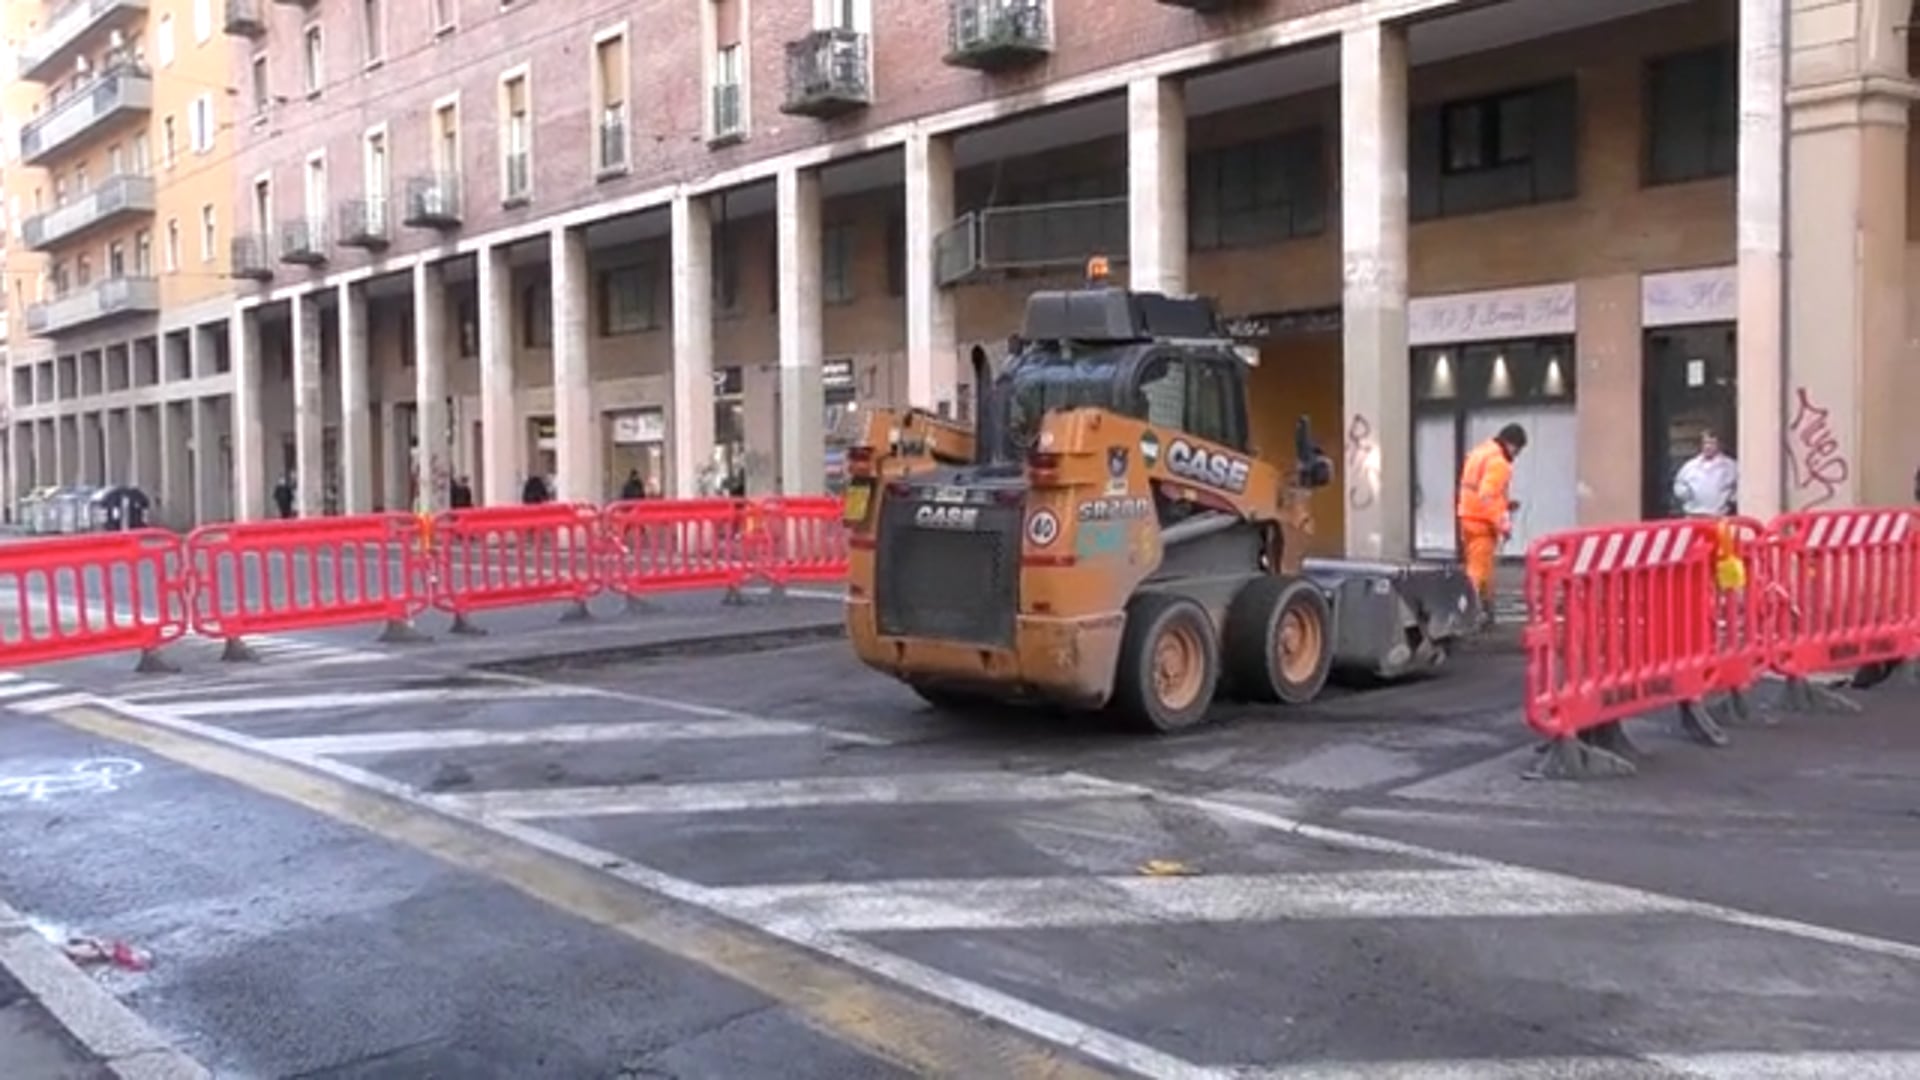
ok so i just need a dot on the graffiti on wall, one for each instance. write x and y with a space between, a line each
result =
1363 464
1820 467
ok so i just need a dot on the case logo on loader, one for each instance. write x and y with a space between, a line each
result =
1209 467
963 518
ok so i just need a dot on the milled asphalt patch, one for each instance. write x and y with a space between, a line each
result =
105 1028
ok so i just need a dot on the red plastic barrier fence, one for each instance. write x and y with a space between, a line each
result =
512 555
1843 590
78 596
265 577
808 541
1626 619
656 546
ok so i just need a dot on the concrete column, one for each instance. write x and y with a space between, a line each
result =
1848 439
576 430
432 470
1373 201
356 422
692 343
803 403
118 462
1759 214
249 434
499 437
932 340
1157 186
309 404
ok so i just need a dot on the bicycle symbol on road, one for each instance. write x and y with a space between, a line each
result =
87 778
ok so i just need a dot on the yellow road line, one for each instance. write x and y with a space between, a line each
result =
876 1017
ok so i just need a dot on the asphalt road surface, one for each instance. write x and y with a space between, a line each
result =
357 862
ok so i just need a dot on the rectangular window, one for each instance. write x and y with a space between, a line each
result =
536 315
209 235
729 112
1693 115
262 98
1260 192
373 31
141 156
172 255
263 206
200 124
376 179
610 85
443 15
202 20
143 253
169 142
836 270
116 260
316 190
516 140
163 43
1477 155
314 58
627 300
446 138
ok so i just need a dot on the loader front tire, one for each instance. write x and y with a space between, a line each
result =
1278 642
1169 664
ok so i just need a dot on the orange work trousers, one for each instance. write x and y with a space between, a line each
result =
1480 541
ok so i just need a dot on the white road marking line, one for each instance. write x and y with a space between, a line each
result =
1804 1065
26 689
40 706
393 742
688 707
371 699
10 676
785 794
1730 916
1054 903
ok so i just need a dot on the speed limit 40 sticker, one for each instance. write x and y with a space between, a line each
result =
1043 528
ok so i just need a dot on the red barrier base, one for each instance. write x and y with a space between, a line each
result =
1597 753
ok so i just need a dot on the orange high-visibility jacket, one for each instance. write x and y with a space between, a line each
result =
1483 485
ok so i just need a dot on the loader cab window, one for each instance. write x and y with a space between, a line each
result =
1196 394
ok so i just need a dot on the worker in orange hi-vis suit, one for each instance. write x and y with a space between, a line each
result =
1485 511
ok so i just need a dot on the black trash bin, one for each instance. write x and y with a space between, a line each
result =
119 509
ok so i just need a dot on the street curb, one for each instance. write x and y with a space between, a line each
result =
733 643
98 1021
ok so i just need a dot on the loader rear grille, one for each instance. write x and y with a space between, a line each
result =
949 584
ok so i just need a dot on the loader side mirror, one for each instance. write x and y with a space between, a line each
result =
1314 468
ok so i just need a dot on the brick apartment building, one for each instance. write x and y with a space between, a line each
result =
577 239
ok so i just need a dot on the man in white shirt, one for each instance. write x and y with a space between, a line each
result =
1707 484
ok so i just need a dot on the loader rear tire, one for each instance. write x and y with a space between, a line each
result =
1277 644
1169 664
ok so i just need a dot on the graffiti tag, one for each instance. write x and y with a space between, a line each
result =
1813 450
87 778
1363 464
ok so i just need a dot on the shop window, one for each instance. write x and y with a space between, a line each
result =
1693 115
1514 148
536 316
467 318
1258 192
628 300
726 270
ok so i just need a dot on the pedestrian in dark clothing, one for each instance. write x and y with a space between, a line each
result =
283 497
634 488
460 497
535 491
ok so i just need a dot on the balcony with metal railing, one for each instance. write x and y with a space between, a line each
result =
433 201
251 257
46 55
729 119
517 185
122 91
828 74
613 141
994 35
98 302
245 19
363 223
303 241
117 197
1037 238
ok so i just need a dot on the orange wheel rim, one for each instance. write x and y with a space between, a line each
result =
1179 667
1299 645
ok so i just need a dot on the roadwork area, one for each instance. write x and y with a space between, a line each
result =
761 860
